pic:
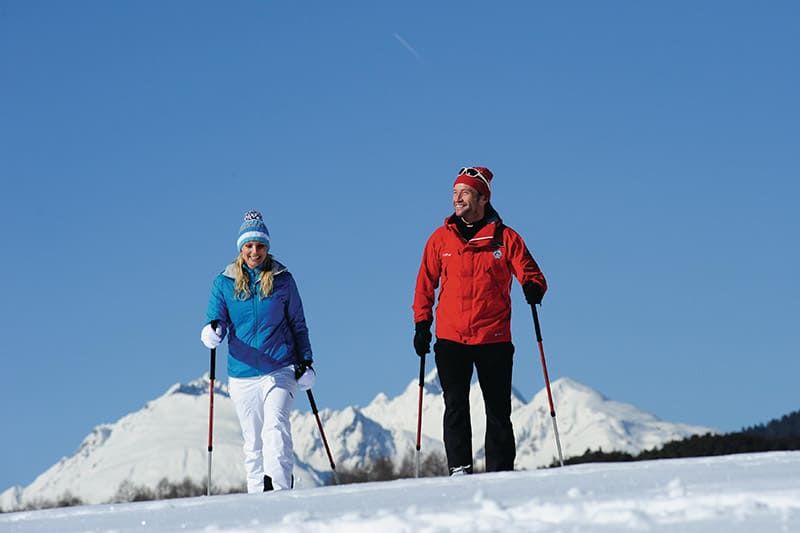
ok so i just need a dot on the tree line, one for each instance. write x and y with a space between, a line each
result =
778 435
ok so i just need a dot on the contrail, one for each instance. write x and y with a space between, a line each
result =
407 46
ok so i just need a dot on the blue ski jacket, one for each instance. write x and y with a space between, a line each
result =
264 334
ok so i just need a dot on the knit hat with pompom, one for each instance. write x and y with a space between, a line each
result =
252 229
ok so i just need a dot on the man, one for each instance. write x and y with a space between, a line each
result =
471 259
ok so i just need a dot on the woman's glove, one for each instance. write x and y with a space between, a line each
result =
211 336
305 375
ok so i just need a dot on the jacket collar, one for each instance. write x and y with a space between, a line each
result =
277 268
486 235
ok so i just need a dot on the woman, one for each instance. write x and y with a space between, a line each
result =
256 304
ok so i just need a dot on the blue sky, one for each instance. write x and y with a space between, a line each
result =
647 152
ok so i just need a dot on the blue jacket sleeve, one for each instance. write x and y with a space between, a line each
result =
297 322
217 308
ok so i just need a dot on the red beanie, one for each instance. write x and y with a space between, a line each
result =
479 178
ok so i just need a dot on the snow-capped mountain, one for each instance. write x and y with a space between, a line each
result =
586 420
168 437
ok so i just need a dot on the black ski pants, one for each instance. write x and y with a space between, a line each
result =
454 362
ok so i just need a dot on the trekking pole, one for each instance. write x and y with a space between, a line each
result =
322 432
211 409
419 408
547 381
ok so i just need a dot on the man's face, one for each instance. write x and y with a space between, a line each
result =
468 203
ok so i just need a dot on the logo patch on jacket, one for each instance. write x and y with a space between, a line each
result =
498 254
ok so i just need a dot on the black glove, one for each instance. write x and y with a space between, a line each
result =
301 367
533 292
422 337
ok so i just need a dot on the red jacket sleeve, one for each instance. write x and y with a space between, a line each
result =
522 262
427 281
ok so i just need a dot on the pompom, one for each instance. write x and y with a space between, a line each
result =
253 215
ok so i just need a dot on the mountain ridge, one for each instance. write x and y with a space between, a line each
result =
156 442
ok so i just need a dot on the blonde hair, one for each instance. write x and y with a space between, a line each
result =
241 287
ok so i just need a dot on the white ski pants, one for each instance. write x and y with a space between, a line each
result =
263 404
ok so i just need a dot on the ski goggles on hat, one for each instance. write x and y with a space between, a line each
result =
474 173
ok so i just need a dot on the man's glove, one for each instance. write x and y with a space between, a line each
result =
422 337
305 375
212 335
533 292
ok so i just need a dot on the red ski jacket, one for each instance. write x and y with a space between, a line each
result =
475 295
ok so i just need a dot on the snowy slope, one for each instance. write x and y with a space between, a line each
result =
735 494
168 437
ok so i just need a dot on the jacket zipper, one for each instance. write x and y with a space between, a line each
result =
253 287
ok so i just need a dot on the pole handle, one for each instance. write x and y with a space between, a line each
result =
419 402
312 402
536 325
212 373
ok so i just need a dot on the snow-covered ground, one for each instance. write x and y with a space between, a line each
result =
738 493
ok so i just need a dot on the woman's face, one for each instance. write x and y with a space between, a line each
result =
254 253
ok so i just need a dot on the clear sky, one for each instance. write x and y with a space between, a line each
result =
647 152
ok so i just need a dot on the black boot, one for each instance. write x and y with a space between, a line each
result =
267 484
460 470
